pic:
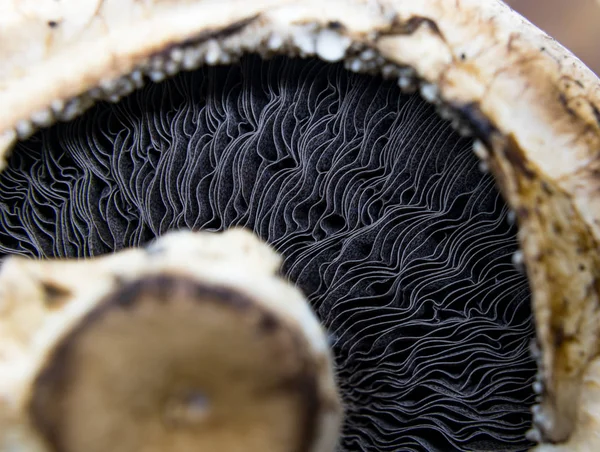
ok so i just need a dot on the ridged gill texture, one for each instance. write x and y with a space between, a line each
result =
385 222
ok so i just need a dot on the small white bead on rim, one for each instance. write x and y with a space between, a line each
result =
331 46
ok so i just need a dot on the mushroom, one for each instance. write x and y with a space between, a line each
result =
382 213
193 343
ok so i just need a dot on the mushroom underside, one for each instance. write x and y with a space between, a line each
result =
385 220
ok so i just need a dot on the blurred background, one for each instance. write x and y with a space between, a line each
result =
573 23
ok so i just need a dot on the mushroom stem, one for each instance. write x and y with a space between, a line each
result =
193 343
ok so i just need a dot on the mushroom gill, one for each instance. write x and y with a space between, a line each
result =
403 246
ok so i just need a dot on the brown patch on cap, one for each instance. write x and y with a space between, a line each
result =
169 363
207 35
515 155
55 295
411 25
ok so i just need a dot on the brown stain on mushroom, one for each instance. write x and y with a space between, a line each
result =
408 27
596 111
55 295
563 268
515 155
207 35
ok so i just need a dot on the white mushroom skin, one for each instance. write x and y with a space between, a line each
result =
193 343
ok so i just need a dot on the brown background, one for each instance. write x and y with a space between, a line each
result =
574 23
